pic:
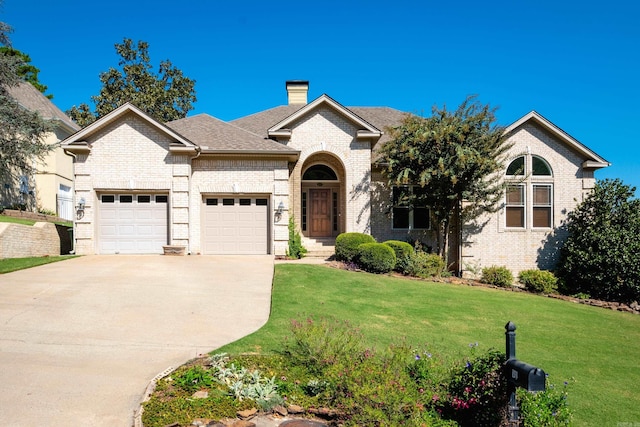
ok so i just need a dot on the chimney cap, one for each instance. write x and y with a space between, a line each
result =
297 82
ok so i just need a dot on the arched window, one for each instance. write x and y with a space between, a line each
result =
319 173
540 167
516 167
535 183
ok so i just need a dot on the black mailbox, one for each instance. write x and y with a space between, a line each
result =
524 375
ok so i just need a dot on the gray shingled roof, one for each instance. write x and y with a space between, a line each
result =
380 117
214 134
33 100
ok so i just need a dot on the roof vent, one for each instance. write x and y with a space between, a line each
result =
297 91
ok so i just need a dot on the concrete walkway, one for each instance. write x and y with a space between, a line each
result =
81 339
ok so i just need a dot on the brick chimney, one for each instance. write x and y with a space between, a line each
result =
297 91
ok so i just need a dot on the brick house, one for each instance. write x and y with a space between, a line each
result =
219 187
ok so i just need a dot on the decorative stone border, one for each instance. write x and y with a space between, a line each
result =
137 417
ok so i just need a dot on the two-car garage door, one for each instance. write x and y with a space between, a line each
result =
138 224
235 225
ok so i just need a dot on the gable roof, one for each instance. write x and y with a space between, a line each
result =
592 160
378 117
367 130
215 136
32 99
76 142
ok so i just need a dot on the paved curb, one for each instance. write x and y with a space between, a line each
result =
137 418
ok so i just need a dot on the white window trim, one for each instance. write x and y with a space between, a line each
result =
550 206
523 205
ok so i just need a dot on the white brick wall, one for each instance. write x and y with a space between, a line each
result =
324 131
521 249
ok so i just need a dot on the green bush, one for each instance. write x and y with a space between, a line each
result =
347 245
544 408
601 256
477 392
403 252
539 281
497 276
422 264
296 250
376 257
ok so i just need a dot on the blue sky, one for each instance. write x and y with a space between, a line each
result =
575 62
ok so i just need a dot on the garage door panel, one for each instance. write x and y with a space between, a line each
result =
132 227
235 229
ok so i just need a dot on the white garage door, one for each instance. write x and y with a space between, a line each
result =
132 223
235 225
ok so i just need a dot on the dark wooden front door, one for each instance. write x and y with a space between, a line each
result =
320 209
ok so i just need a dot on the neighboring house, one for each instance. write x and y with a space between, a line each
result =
51 189
219 187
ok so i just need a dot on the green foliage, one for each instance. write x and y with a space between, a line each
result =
601 256
347 245
296 250
422 264
497 276
26 71
7 265
539 281
318 343
193 378
477 393
165 96
452 156
376 257
22 141
547 408
403 252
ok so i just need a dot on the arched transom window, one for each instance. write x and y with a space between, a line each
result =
319 173
529 198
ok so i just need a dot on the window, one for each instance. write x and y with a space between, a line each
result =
532 178
261 202
126 198
304 211
162 199
319 173
245 202
107 198
406 216
515 206
228 202
144 199
542 205
211 202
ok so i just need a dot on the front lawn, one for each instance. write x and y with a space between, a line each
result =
594 349
7 265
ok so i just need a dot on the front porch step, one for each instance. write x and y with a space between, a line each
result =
322 247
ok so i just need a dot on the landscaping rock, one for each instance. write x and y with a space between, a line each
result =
202 394
280 410
295 409
247 413
243 423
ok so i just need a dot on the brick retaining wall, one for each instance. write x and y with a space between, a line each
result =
40 239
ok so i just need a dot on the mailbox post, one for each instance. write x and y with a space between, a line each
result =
519 374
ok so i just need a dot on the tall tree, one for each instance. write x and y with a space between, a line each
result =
22 132
167 95
455 158
27 71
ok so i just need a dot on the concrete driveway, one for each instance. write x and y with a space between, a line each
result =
81 339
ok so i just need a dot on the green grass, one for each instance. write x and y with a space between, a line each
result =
24 221
7 265
595 347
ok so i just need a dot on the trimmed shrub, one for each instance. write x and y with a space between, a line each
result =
422 264
376 257
403 252
347 245
497 276
539 281
296 250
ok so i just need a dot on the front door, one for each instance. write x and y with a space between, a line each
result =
320 209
